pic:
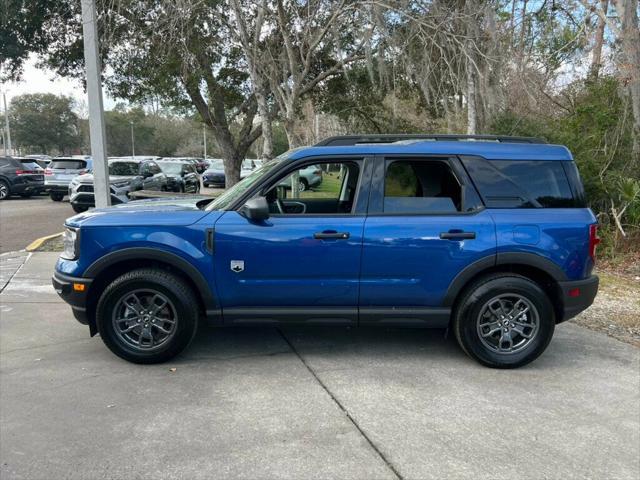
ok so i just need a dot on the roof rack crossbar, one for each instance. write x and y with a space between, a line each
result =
345 140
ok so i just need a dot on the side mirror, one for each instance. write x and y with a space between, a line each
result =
255 209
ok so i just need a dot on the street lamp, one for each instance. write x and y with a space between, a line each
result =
133 143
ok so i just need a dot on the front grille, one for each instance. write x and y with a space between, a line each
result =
85 188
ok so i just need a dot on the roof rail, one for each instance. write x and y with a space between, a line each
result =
343 140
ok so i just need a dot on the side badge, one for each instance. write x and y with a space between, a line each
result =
237 266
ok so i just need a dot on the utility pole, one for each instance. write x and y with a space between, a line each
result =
204 137
133 142
96 109
7 134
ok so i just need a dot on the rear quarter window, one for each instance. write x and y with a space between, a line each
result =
522 183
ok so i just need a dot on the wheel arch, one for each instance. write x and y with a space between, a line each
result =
106 269
538 269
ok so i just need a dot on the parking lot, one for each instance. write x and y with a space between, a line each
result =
303 402
26 219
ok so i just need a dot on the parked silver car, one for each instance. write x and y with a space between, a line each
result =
310 176
60 172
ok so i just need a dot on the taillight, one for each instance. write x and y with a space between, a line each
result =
48 171
594 240
26 172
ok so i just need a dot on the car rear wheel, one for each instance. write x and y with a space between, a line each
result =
147 316
4 190
56 197
303 185
504 321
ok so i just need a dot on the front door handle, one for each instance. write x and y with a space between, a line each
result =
331 234
457 235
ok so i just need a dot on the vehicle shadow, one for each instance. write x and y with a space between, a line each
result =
329 342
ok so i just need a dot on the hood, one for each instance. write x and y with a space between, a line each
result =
154 211
88 178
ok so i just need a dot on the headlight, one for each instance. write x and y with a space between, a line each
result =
70 244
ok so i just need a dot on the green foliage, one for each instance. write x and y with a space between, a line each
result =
43 123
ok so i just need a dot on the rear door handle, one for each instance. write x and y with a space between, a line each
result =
457 235
331 234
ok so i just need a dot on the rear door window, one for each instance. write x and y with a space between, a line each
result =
68 164
421 186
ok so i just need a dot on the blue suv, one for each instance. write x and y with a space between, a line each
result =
489 237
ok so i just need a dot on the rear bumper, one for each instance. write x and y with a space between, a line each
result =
64 286
18 188
577 296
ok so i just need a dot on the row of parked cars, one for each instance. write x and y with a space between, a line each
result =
72 175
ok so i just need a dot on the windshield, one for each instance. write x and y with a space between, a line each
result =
235 192
171 168
123 168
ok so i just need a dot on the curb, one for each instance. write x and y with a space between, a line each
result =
37 243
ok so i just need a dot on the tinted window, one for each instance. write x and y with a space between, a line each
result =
68 164
4 162
123 168
421 187
30 164
520 184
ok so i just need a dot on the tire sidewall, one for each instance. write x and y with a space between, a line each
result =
186 321
470 310
8 190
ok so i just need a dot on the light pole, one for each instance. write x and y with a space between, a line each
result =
133 142
7 134
204 138
96 110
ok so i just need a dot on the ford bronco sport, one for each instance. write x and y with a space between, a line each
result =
489 237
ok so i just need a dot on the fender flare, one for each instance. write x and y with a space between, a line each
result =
507 258
142 253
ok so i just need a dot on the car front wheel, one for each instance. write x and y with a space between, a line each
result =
78 208
504 321
147 316
56 197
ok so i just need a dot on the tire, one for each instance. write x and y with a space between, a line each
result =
303 185
505 347
56 196
181 306
78 208
5 190
206 185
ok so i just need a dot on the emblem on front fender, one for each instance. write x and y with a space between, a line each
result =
237 266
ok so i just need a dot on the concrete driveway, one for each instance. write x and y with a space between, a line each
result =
303 402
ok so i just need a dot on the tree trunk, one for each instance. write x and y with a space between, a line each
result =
267 126
628 12
596 61
471 102
290 128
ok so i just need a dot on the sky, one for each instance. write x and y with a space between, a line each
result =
38 80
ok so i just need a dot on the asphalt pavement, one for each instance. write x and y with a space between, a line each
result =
22 220
303 402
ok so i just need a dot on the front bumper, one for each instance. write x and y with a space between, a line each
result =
83 195
577 296
65 286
